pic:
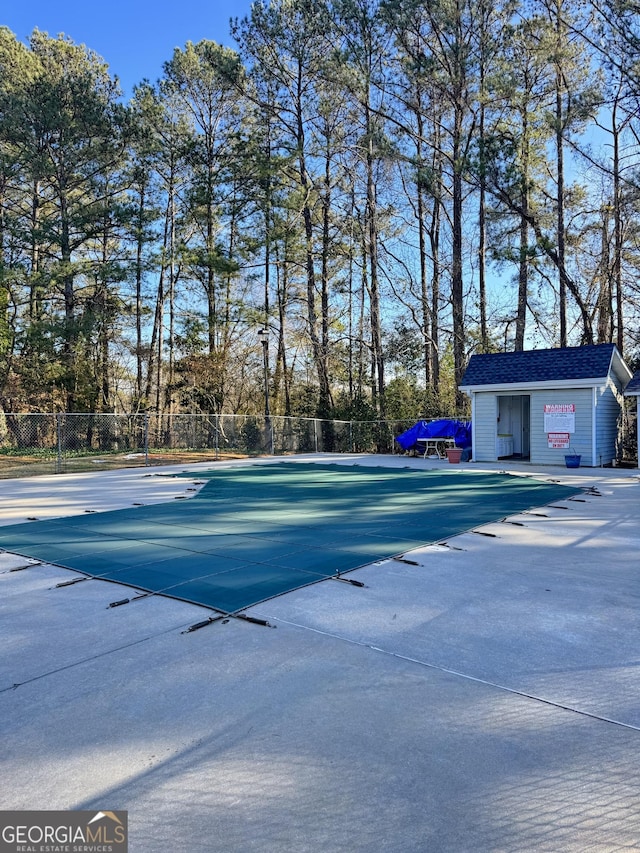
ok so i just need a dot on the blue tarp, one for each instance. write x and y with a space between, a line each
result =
444 428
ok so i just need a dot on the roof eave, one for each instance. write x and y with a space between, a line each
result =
619 366
548 385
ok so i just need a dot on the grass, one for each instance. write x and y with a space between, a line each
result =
20 463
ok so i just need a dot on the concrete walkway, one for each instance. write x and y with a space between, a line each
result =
476 696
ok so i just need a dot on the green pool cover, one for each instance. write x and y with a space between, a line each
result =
255 532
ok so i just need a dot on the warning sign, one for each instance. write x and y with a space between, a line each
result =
560 417
558 440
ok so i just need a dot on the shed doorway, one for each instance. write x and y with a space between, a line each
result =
514 427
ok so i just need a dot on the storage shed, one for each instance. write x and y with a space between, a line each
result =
540 405
633 390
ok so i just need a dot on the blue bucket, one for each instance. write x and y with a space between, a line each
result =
572 460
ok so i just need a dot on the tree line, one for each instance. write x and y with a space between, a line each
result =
386 186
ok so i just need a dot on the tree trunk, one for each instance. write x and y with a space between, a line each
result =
434 238
523 261
374 289
139 275
70 334
34 291
604 305
425 303
617 231
457 284
562 293
482 228
325 401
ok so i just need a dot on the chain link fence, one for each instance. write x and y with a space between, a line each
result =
60 443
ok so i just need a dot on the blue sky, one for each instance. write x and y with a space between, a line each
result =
135 37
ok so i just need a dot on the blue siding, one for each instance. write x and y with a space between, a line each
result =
486 408
579 441
608 414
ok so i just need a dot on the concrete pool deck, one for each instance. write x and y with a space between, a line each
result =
479 695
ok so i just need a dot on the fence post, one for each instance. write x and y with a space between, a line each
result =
315 433
351 436
59 440
146 440
217 417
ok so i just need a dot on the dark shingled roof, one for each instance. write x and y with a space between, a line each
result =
634 385
540 365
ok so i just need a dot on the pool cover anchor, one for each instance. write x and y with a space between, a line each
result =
204 623
71 583
224 618
22 568
451 547
18 568
338 577
253 619
129 600
222 615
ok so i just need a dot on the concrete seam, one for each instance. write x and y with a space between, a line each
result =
464 675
